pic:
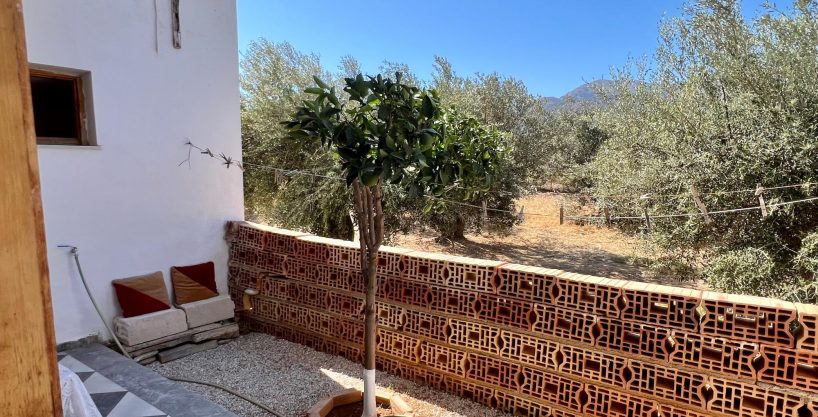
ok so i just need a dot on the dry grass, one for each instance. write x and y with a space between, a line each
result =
541 241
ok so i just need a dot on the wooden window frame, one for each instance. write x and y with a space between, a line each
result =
81 132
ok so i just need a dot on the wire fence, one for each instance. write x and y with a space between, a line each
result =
762 207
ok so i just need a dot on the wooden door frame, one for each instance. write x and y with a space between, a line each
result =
29 381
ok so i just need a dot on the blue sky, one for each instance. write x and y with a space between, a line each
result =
553 46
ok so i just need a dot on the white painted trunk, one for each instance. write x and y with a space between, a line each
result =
369 394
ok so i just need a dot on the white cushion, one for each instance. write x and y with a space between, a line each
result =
210 310
139 329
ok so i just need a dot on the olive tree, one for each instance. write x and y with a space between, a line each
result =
382 135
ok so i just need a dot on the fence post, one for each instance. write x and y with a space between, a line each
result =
562 214
760 194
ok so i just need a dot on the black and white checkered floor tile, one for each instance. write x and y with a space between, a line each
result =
111 399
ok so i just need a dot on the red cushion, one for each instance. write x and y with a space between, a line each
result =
193 282
142 295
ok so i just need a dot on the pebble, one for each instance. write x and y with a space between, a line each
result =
290 378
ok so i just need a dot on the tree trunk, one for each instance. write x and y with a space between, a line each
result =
369 213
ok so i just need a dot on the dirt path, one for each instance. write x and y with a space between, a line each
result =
541 241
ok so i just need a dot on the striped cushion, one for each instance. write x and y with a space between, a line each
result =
193 283
142 294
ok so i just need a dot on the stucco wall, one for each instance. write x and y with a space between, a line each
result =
127 204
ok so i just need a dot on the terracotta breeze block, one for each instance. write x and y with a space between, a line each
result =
390 316
470 274
605 402
750 319
595 295
443 358
669 383
495 372
281 241
470 391
398 345
344 254
661 305
344 304
425 267
713 354
505 311
474 335
599 367
633 338
808 333
314 249
528 349
790 368
554 389
452 301
391 261
565 324
519 406
425 324
745 400
407 292
525 282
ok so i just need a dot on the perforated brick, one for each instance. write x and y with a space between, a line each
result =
470 274
505 311
314 297
552 388
528 349
525 282
335 277
663 410
398 345
633 338
668 383
790 368
808 327
565 324
452 301
344 254
599 296
745 400
470 391
300 270
348 331
265 309
406 292
522 407
660 305
474 335
605 402
281 241
275 287
426 324
493 371
314 249
442 358
390 316
713 354
344 304
271 262
425 267
749 319
390 261
599 367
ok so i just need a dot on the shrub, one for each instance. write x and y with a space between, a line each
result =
748 271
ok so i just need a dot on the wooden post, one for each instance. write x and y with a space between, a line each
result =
607 212
647 221
700 204
761 204
485 214
29 382
562 213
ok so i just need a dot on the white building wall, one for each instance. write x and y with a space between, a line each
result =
127 204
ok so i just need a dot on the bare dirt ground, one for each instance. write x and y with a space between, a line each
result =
541 241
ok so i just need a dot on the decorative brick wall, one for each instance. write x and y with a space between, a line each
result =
535 341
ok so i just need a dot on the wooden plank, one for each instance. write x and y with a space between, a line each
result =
155 344
225 332
185 350
29 382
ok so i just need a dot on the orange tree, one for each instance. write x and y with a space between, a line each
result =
384 135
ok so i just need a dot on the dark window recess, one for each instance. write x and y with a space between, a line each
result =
58 111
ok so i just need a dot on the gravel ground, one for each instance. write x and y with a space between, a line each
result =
290 378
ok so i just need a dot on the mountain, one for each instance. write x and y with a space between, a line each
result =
585 93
